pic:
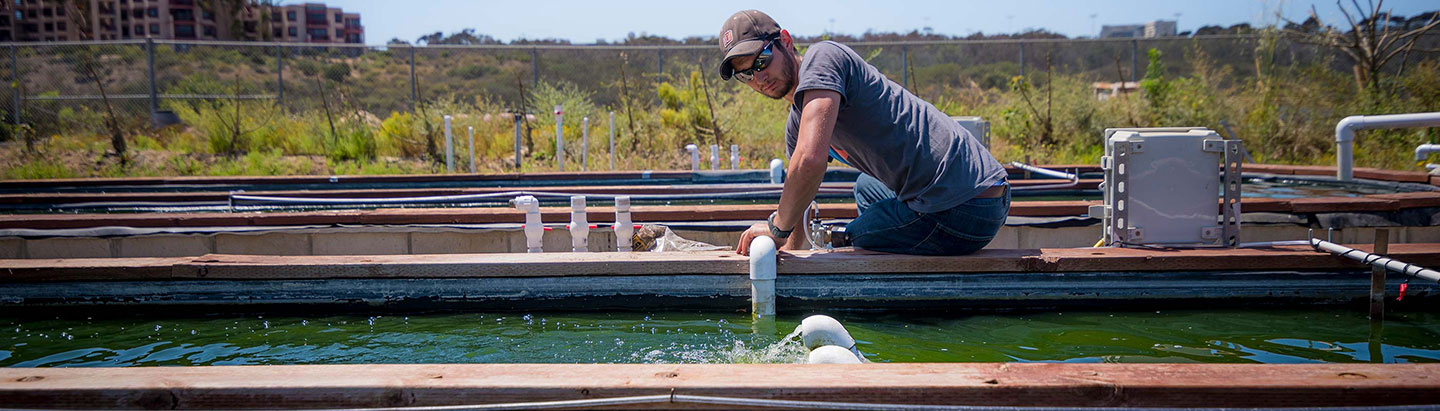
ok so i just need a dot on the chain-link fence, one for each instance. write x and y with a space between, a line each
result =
70 86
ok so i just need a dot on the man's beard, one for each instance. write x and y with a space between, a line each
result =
786 84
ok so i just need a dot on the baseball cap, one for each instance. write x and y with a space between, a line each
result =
745 33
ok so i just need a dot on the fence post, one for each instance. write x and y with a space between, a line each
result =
660 64
518 113
904 66
535 67
1134 61
612 140
150 64
1022 59
15 83
414 97
280 75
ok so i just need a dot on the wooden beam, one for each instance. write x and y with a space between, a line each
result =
843 261
971 384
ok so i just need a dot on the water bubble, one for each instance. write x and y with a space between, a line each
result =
192 332
267 324
157 327
304 322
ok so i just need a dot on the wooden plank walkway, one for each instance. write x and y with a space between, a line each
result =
845 261
972 384
749 212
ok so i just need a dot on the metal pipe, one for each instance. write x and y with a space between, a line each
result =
762 276
150 67
449 147
584 143
1345 134
517 139
612 140
1422 152
1376 260
560 138
1044 171
506 194
414 95
280 76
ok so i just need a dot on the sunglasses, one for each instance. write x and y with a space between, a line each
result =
762 60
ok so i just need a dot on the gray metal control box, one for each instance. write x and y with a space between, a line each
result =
1170 187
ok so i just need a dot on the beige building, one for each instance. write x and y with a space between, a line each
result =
49 20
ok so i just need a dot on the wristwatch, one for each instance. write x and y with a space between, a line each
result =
776 231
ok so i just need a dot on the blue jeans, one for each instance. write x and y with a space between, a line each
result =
886 224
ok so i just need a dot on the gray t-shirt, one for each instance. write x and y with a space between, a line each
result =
883 130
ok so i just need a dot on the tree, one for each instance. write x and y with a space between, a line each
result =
87 61
1371 42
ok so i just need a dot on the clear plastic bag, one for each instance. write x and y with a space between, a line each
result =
658 238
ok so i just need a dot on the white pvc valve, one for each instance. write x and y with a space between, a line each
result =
579 227
734 157
534 229
777 171
821 330
714 157
624 228
694 156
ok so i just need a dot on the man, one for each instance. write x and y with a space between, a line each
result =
929 187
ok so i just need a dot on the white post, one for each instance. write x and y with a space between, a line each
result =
624 228
694 156
449 147
534 228
762 277
579 227
714 157
472 148
734 157
777 171
560 138
612 140
585 144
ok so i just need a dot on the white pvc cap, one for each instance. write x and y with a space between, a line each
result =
622 203
577 203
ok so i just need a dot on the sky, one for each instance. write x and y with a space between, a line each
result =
585 21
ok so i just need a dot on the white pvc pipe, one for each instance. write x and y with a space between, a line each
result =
714 157
1345 135
777 171
449 147
1422 152
734 157
762 276
694 151
579 225
534 229
624 228
472 148
1043 171
560 137
1376 260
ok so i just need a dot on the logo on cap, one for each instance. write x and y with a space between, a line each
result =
728 38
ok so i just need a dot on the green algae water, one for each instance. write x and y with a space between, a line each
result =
1167 336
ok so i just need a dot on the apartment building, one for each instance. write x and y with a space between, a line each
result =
1157 28
242 20
315 23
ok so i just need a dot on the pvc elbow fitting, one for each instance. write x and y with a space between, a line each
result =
579 226
624 228
534 228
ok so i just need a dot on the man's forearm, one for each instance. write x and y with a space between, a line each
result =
801 183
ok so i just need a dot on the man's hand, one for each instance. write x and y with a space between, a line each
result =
757 230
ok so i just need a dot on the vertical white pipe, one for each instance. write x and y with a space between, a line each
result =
534 228
472 148
1422 152
560 138
612 140
624 228
777 171
579 226
449 147
734 157
714 157
585 144
762 276
694 156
